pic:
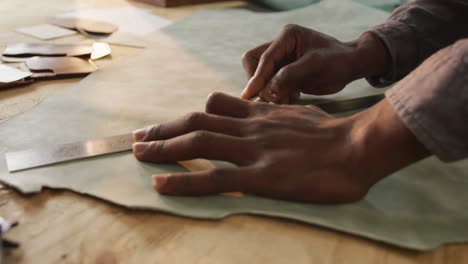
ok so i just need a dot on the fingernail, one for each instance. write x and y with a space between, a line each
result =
159 180
139 148
139 134
243 94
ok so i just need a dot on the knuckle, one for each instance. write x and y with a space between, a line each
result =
194 118
199 138
260 141
259 110
155 131
247 56
256 127
157 147
212 100
292 28
270 140
283 74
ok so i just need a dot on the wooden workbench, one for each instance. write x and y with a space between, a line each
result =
63 227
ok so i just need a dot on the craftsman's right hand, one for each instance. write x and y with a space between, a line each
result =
304 60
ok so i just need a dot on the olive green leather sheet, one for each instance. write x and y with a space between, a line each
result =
419 207
281 5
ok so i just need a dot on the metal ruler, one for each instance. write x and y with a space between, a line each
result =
38 157
354 104
33 158
334 107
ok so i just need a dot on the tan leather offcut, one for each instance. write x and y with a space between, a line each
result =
19 52
88 25
47 67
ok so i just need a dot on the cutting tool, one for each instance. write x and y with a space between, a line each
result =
341 106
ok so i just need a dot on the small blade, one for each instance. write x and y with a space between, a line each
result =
341 106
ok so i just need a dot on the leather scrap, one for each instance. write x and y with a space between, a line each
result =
87 25
18 52
48 67
38 49
12 77
100 50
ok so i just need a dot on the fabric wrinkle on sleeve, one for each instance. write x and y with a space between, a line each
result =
433 102
399 40
417 30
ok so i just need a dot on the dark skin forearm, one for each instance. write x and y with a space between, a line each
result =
384 143
370 56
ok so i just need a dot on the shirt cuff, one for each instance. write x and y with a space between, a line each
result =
401 44
432 102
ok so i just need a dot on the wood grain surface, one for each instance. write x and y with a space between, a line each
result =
63 227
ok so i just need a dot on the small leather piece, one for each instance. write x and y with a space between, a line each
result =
38 49
19 52
16 84
42 67
13 59
69 23
88 25
100 50
12 77
10 74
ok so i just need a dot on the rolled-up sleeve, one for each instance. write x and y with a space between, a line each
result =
417 30
432 101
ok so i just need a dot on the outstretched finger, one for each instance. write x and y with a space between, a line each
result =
189 123
226 105
198 144
203 182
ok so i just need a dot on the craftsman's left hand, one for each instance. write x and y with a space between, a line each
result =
282 151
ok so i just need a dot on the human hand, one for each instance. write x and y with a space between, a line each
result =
282 151
304 60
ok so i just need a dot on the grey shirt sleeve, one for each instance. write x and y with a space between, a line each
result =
417 30
432 101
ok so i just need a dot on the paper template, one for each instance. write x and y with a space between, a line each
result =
130 20
46 31
9 74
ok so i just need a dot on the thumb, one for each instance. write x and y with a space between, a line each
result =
275 56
